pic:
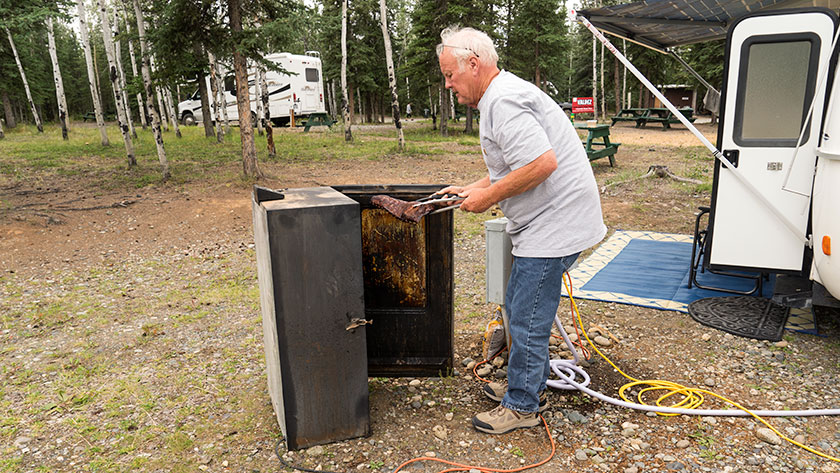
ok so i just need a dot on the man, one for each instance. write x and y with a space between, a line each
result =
540 176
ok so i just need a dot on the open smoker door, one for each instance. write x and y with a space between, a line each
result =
775 63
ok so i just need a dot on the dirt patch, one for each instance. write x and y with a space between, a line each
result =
131 337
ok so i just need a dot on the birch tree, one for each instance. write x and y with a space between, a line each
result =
59 84
216 90
94 91
240 69
258 96
115 83
173 111
266 118
345 106
121 76
2 134
595 77
223 99
25 83
164 114
392 78
140 107
145 67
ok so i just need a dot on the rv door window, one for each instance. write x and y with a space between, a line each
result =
230 85
777 80
311 74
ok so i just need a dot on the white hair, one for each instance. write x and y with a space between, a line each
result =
466 42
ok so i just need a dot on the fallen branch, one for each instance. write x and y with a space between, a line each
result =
36 207
657 170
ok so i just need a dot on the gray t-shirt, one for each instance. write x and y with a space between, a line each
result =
562 215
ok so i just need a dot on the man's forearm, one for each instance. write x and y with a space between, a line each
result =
521 180
483 182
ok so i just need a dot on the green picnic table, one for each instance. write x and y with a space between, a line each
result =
318 119
629 115
643 116
597 143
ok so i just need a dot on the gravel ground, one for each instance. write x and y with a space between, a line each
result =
131 341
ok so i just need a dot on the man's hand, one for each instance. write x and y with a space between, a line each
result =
477 200
451 190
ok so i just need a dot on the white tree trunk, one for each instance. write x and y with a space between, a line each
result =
173 112
145 67
223 99
624 100
94 91
215 89
345 103
333 103
140 107
118 57
115 83
258 95
2 134
392 77
163 112
266 118
603 91
25 84
595 77
59 84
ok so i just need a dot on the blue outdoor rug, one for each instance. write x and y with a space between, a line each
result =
651 269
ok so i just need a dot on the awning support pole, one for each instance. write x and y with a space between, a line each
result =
715 152
692 71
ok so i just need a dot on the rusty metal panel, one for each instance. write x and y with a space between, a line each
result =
394 258
309 261
409 285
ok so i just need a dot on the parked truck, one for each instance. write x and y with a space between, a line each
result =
301 91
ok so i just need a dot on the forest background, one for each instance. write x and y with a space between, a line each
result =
535 39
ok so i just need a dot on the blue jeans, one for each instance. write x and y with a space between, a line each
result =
532 297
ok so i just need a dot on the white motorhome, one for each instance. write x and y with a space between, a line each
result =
300 91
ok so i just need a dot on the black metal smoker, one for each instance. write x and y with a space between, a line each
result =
348 291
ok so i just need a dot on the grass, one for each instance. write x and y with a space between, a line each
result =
193 157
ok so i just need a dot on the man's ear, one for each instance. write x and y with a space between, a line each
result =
473 62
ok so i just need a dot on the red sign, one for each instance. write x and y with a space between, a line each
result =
583 105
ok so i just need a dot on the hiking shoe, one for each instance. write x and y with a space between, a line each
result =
502 420
496 391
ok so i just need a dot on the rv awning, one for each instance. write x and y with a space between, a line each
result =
661 24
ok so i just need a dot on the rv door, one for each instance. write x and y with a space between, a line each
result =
312 79
776 64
